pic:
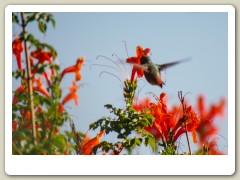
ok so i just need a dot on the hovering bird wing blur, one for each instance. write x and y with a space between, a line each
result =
167 65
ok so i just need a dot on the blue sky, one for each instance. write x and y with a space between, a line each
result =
170 36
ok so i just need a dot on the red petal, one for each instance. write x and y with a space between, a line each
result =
139 51
68 70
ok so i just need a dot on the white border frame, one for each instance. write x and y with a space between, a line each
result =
120 165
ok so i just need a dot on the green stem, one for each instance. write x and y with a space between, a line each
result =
184 118
189 148
29 80
56 96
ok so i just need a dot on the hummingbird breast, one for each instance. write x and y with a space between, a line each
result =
153 76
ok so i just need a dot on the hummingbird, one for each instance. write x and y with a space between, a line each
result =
152 72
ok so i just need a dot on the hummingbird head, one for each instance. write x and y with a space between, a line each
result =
145 60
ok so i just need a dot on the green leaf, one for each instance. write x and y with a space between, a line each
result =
108 106
138 141
32 17
33 41
95 148
94 125
23 35
17 134
120 136
132 142
151 141
42 26
126 143
17 74
31 38
15 18
59 140
53 22
50 48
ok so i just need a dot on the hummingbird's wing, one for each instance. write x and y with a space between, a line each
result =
167 65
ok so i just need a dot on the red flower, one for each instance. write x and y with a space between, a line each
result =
40 87
14 125
72 95
17 48
47 77
19 90
42 56
136 60
60 108
75 68
163 119
87 146
191 121
39 110
207 129
26 115
142 104
44 73
167 125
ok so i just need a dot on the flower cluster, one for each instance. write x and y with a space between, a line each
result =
207 129
168 126
39 109
43 56
38 105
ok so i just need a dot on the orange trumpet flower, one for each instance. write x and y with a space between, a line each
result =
89 145
75 68
141 104
136 60
72 95
207 128
192 122
17 48
40 88
41 55
166 124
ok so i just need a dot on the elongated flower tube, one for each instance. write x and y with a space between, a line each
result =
75 69
40 87
72 95
17 48
88 146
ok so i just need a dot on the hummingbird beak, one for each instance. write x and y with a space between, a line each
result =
161 85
